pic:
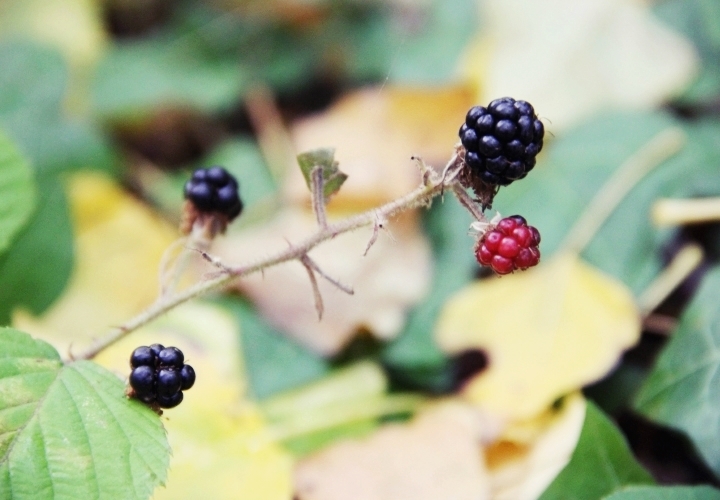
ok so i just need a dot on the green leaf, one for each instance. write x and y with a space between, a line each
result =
683 388
36 267
325 159
32 88
274 363
601 463
69 431
135 78
699 20
577 164
665 493
17 192
427 49
414 356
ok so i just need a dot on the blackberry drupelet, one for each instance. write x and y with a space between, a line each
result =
509 246
214 190
501 141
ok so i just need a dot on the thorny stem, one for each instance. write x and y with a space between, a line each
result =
318 195
421 196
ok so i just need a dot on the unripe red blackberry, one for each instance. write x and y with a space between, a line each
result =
509 246
501 140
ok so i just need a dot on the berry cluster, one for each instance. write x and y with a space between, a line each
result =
501 140
214 190
159 375
510 245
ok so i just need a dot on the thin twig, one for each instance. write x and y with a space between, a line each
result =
379 224
318 195
416 198
468 203
313 265
661 147
305 261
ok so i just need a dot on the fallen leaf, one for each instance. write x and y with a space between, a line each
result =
572 59
546 331
375 132
521 469
119 244
434 456
394 275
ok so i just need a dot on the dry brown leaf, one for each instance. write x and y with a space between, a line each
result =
375 132
571 59
394 275
119 243
547 331
437 455
521 469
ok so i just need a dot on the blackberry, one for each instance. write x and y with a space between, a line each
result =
214 190
509 246
159 375
501 141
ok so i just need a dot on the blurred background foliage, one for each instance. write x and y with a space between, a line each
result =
114 102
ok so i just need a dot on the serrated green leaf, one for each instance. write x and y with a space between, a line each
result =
17 192
36 267
333 177
665 493
683 388
577 164
601 463
68 431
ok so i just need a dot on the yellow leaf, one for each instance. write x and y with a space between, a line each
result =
394 275
434 456
522 470
221 448
572 59
546 332
375 131
119 243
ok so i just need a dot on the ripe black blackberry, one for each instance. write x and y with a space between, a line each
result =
214 190
159 376
501 142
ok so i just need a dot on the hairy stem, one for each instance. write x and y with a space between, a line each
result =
421 196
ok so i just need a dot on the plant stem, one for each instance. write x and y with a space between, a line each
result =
421 196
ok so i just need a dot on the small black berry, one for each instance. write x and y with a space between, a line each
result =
501 142
142 356
169 401
187 373
142 379
168 382
171 356
214 190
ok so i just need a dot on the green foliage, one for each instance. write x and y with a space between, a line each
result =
17 192
683 388
626 246
35 269
32 89
665 493
68 431
324 159
699 20
415 353
274 363
601 463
